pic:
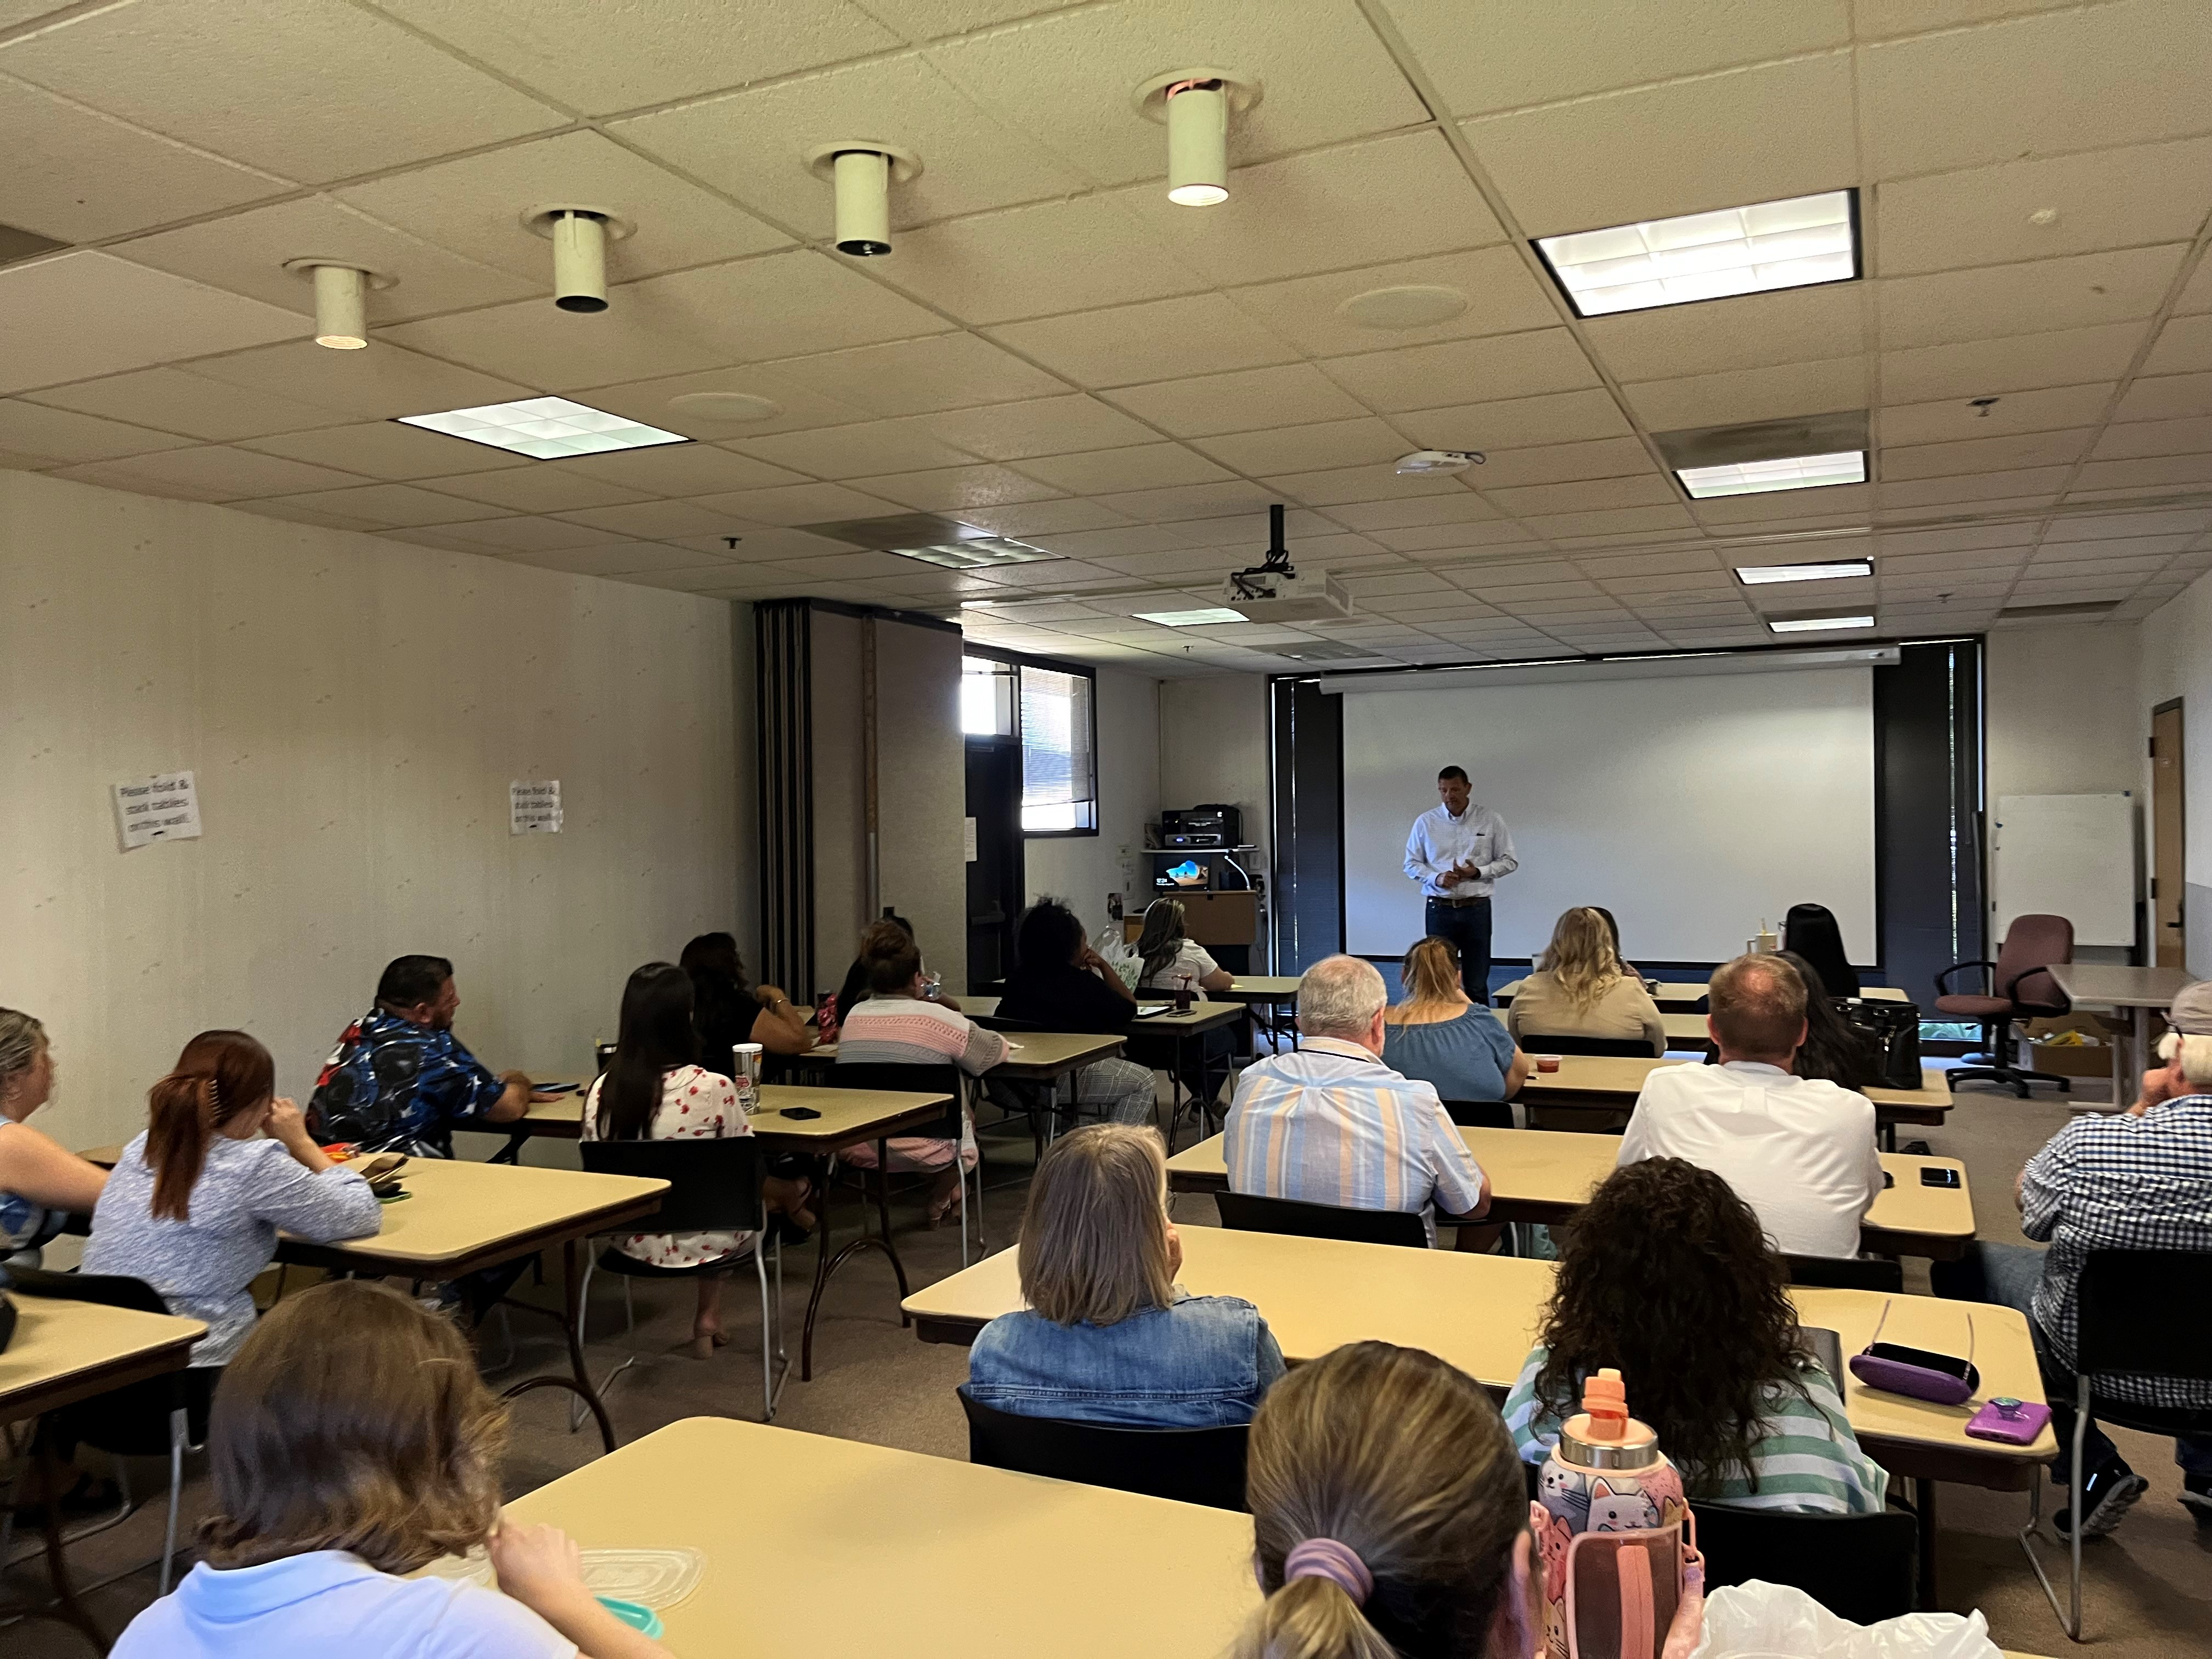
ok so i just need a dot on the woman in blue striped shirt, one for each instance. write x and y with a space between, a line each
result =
1666 1276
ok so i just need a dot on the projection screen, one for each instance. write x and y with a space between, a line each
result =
1692 807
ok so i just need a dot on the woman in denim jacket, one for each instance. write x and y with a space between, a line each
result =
1108 1337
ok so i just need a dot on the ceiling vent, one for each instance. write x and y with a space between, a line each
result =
1763 441
899 530
2058 612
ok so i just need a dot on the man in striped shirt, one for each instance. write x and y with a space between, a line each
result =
1331 1124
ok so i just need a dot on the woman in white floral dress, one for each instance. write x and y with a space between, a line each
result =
654 1089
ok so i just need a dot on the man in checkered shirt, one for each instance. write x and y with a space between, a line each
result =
2139 1180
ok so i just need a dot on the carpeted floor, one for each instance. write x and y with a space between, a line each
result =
2149 1587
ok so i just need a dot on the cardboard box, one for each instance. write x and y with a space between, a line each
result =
2092 1057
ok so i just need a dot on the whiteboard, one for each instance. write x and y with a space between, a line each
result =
1692 807
2067 855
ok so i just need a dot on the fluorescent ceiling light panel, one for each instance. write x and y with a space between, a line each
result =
1757 575
1805 241
971 555
1817 624
546 428
1760 478
1213 617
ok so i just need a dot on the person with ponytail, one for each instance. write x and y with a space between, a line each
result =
194 1204
39 1181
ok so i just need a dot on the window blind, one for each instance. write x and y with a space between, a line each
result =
1059 775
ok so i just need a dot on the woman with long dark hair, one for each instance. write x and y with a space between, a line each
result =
655 1089
1810 932
728 1009
1666 1275
1832 1048
194 1204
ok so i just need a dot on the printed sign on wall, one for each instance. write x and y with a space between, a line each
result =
164 807
534 808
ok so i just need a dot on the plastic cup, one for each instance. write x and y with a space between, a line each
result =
1547 1062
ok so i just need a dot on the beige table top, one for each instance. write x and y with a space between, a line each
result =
1202 1016
68 1351
2118 986
1482 1313
1538 1177
1689 990
1260 987
1623 1075
1685 1030
929 1558
847 1115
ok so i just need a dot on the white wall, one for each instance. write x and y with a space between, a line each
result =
2177 662
1083 869
353 708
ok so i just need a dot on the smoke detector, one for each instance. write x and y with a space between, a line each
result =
1424 461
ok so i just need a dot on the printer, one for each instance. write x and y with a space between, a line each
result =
1201 826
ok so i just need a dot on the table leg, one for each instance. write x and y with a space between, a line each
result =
821 1281
512 1152
883 1215
66 1609
826 1265
578 1382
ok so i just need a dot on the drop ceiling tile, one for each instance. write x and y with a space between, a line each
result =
1341 485
546 487
1143 466
2122 442
379 382
1198 334
1075 254
798 504
852 452
2029 486
1560 417
85 313
1634 520
681 470
386 449
61 436
1465 507
948 489
2093 570
395 505
2088 79
1435 541
448 541
1586 496
245 253
1495 54
1064 79
1750 331
1029 521
2184 346
1043 426
1170 505
177 401
1686 147
1953 538
255 83
1543 464
2147 472
2020 362
474 206
1956 419
209 474
1427 377
1985 454
756 544
290 513
603 558
1790 512
656 520
2097 526
2120 198
798 408
2165 397
911 376
1245 401
1364 442
2078 291
566 50
1502 296
1750 394
778 305
2196 294
2160 548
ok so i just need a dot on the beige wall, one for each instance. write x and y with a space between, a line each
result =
1213 747
2177 662
353 708
2062 709
1083 869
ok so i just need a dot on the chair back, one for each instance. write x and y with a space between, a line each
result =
890 1077
2031 944
1846 1273
1249 1213
1480 1114
109 1290
1860 1567
1001 1023
1632 1048
1192 1466
2142 1311
713 1186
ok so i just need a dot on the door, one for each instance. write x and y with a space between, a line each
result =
995 875
2169 927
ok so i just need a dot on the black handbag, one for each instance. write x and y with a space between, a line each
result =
1892 1030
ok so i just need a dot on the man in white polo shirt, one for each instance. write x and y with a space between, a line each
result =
1800 1151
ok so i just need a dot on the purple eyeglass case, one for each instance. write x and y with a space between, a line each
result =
1915 1381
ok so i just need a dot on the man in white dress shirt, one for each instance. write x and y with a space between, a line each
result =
1457 852
1799 1151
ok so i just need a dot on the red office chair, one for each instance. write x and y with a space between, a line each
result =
2018 987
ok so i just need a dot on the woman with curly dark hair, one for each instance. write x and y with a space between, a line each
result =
1666 1275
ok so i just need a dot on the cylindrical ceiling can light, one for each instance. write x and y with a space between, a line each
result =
1198 143
341 307
863 179
580 261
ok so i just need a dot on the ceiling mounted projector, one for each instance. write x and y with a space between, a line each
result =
1274 591
1440 460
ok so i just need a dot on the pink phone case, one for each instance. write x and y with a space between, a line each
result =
2016 1422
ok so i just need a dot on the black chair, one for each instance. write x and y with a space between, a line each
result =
1860 1567
893 1078
713 1186
163 1416
2139 1313
1249 1213
1480 1114
1191 1466
1631 1047
1847 1272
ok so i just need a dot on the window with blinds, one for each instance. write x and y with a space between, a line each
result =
1060 768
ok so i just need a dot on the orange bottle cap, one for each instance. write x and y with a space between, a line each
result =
1605 1402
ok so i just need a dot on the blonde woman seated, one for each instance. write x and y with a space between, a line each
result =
1172 957
1107 1336
1438 1035
1580 989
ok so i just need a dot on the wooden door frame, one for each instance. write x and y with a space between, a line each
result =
2176 707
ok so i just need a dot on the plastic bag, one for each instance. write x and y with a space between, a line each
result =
655 1578
1113 950
1756 1620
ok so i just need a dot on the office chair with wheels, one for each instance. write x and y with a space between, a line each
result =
2015 987
1847 1272
1628 1048
2139 1313
713 1186
1249 1213
895 1079
1191 1466
1860 1567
